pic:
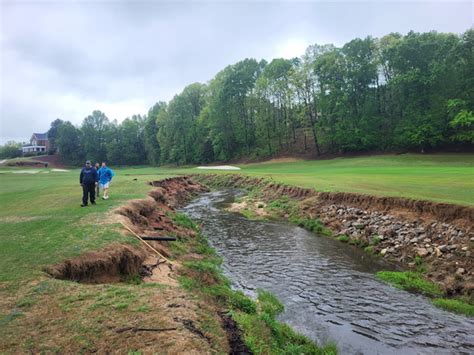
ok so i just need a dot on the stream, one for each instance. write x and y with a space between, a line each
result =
328 288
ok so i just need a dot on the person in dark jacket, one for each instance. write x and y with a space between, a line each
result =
88 180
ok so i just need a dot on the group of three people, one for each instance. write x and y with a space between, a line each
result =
92 177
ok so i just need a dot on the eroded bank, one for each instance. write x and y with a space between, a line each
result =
407 232
196 310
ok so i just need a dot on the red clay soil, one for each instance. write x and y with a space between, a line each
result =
54 161
108 265
28 163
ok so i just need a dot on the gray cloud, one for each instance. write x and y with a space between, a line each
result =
65 59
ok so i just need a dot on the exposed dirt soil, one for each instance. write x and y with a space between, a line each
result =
146 217
234 336
36 164
108 265
398 229
54 161
50 161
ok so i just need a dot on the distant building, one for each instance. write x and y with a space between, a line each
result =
38 143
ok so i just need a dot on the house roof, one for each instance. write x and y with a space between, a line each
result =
41 136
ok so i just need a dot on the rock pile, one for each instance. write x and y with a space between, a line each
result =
447 248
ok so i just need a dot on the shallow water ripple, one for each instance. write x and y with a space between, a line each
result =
328 288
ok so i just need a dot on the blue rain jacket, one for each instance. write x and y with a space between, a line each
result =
105 175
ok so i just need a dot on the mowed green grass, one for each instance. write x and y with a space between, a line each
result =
444 178
41 221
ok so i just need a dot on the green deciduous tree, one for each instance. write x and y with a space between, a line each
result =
69 144
53 135
152 147
94 131
10 149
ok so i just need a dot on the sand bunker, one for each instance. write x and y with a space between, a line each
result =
60 170
219 167
25 171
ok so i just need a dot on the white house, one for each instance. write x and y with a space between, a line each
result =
38 143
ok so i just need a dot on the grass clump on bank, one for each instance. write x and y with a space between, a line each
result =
343 238
415 282
456 306
313 225
262 333
410 281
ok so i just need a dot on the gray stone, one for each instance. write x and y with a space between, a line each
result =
443 248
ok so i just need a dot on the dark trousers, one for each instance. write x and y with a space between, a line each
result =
88 190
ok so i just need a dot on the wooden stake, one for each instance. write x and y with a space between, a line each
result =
148 245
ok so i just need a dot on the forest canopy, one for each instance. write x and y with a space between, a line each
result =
412 92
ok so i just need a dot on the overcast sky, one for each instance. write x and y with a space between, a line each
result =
64 59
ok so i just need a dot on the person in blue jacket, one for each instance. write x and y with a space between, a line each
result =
88 179
105 177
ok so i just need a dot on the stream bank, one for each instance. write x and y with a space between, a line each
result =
329 288
437 238
200 313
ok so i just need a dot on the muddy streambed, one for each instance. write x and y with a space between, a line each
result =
328 288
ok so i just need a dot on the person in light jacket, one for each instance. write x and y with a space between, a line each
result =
105 177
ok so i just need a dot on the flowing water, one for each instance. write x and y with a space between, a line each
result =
328 288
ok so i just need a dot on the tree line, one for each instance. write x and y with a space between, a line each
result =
412 92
